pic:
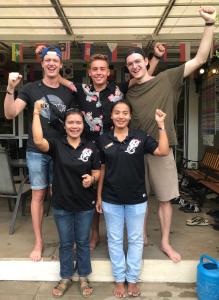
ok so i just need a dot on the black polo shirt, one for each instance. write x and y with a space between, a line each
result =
96 106
69 165
124 181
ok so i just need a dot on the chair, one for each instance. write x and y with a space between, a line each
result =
8 188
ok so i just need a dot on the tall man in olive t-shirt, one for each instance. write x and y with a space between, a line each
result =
163 92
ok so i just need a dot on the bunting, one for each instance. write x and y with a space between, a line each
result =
184 52
17 53
66 51
112 51
86 51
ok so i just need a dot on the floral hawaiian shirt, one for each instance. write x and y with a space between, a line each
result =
96 106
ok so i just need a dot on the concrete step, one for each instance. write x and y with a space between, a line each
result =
153 270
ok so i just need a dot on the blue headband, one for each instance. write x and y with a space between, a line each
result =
56 50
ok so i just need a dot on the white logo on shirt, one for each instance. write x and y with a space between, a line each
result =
133 144
86 153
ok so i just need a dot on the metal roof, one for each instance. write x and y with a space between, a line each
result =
101 21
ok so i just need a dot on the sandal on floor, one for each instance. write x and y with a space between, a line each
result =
85 288
62 286
198 220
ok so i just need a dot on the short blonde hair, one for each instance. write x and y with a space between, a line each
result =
99 57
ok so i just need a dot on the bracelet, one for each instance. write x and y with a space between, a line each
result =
9 92
160 128
209 24
157 57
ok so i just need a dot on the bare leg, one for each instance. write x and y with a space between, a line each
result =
119 290
145 228
37 217
165 215
95 233
133 289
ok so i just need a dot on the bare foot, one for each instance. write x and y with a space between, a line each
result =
119 290
171 253
133 290
36 254
94 242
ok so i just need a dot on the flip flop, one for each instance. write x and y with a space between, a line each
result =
197 221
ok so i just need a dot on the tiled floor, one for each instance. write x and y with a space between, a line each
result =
190 241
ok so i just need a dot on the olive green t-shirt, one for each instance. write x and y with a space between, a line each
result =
163 92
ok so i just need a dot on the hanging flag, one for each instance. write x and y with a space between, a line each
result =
86 51
66 51
17 53
184 52
137 45
112 51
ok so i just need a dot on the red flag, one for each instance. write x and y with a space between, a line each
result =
67 51
87 51
184 51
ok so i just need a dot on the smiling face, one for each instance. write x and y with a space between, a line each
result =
74 125
137 65
51 65
99 72
121 115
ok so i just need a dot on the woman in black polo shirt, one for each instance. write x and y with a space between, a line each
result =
121 192
76 168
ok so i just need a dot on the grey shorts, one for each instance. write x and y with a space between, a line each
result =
161 176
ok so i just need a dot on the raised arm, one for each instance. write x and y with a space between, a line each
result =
41 143
163 144
208 14
12 107
159 51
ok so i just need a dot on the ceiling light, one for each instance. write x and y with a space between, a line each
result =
201 71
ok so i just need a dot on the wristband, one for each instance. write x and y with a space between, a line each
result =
9 93
36 113
209 24
161 128
157 57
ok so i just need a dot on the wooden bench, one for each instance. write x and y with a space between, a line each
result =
207 173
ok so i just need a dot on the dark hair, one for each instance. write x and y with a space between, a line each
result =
73 111
135 50
121 102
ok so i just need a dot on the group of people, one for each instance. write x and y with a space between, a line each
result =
107 136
